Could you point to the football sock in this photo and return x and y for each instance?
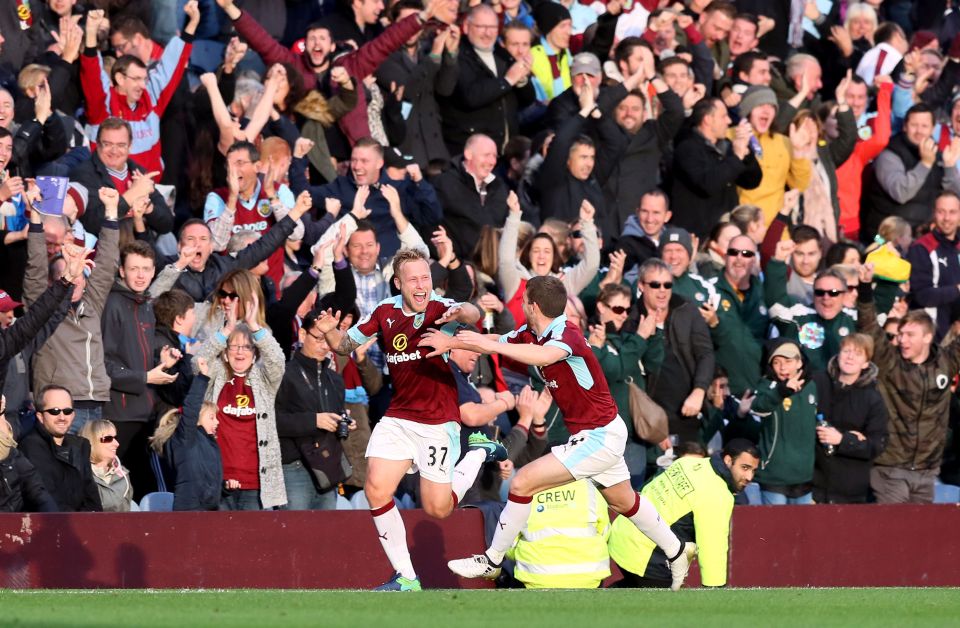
(512, 520)
(465, 473)
(393, 538)
(648, 520)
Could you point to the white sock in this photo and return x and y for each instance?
(393, 538)
(648, 521)
(512, 520)
(465, 473)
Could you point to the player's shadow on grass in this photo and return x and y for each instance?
(429, 552)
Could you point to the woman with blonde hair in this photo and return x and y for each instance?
(112, 478)
(188, 442)
(238, 287)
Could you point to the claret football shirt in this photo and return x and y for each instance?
(424, 388)
(577, 383)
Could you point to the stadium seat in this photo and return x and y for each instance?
(343, 503)
(359, 501)
(157, 502)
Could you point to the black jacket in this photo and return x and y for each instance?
(64, 469)
(37, 144)
(876, 203)
(844, 477)
(422, 79)
(463, 215)
(171, 395)
(482, 102)
(561, 194)
(705, 179)
(194, 456)
(200, 285)
(308, 387)
(92, 174)
(22, 489)
(128, 337)
(40, 321)
(642, 154)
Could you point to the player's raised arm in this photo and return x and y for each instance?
(339, 341)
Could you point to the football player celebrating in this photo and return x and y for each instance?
(597, 433)
(421, 429)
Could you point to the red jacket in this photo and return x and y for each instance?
(849, 174)
(359, 64)
(103, 99)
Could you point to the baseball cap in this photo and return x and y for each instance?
(7, 303)
(787, 350)
(586, 63)
(393, 158)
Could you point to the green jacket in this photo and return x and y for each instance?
(787, 433)
(819, 338)
(693, 288)
(738, 338)
(622, 359)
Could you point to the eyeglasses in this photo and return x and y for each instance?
(239, 348)
(484, 27)
(853, 288)
(746, 253)
(890, 336)
(617, 309)
(576, 234)
(820, 292)
(316, 337)
(117, 145)
(109, 438)
(657, 285)
(136, 79)
(227, 295)
(57, 411)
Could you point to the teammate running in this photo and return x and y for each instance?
(421, 430)
(597, 434)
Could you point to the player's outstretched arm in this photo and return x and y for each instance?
(534, 355)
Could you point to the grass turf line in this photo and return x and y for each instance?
(465, 609)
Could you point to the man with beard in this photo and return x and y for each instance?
(699, 512)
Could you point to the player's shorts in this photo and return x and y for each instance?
(596, 454)
(434, 449)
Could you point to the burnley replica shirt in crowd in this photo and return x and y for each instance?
(424, 388)
(576, 382)
(237, 433)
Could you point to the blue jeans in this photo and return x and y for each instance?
(82, 416)
(635, 455)
(240, 499)
(301, 492)
(769, 498)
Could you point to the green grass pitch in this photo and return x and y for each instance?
(464, 609)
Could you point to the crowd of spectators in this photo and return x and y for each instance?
(753, 206)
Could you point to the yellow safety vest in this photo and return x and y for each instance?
(689, 487)
(564, 543)
(549, 87)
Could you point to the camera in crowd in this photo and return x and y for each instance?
(343, 426)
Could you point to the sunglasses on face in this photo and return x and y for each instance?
(109, 438)
(57, 411)
(890, 336)
(617, 309)
(820, 292)
(657, 285)
(576, 235)
(227, 295)
(745, 253)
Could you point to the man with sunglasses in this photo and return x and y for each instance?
(738, 317)
(62, 459)
(680, 381)
(819, 329)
